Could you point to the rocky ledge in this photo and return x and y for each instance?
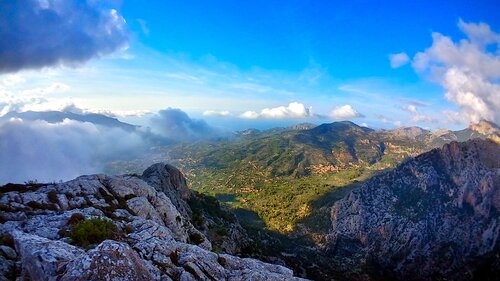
(154, 238)
(435, 217)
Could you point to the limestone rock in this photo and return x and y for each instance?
(41, 258)
(169, 180)
(156, 240)
(110, 260)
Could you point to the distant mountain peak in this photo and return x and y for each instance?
(409, 132)
(302, 126)
(341, 125)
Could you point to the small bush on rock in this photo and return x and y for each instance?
(88, 232)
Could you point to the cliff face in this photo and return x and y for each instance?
(435, 217)
(152, 215)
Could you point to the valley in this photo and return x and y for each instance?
(288, 176)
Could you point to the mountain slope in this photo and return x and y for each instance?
(435, 217)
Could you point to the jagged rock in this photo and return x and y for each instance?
(6, 269)
(156, 240)
(435, 217)
(48, 225)
(169, 180)
(41, 258)
(8, 252)
(110, 260)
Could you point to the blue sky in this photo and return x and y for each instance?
(241, 64)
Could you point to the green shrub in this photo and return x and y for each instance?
(93, 231)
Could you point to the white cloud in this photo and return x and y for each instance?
(410, 108)
(398, 60)
(479, 33)
(12, 80)
(469, 70)
(454, 117)
(223, 113)
(416, 116)
(60, 151)
(385, 119)
(292, 111)
(345, 112)
(249, 115)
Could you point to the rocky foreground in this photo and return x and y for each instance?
(154, 240)
(435, 217)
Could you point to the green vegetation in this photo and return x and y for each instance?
(289, 176)
(85, 233)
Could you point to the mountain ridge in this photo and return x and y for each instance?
(434, 217)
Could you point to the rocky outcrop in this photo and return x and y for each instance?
(169, 180)
(155, 238)
(486, 128)
(435, 217)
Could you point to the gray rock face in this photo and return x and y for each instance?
(42, 258)
(110, 260)
(435, 217)
(157, 240)
(167, 179)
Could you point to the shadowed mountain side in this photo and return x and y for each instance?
(434, 217)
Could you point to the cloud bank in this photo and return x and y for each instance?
(294, 110)
(345, 112)
(48, 148)
(175, 125)
(469, 70)
(36, 34)
(60, 151)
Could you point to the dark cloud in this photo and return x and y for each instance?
(41, 33)
(176, 125)
(45, 151)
